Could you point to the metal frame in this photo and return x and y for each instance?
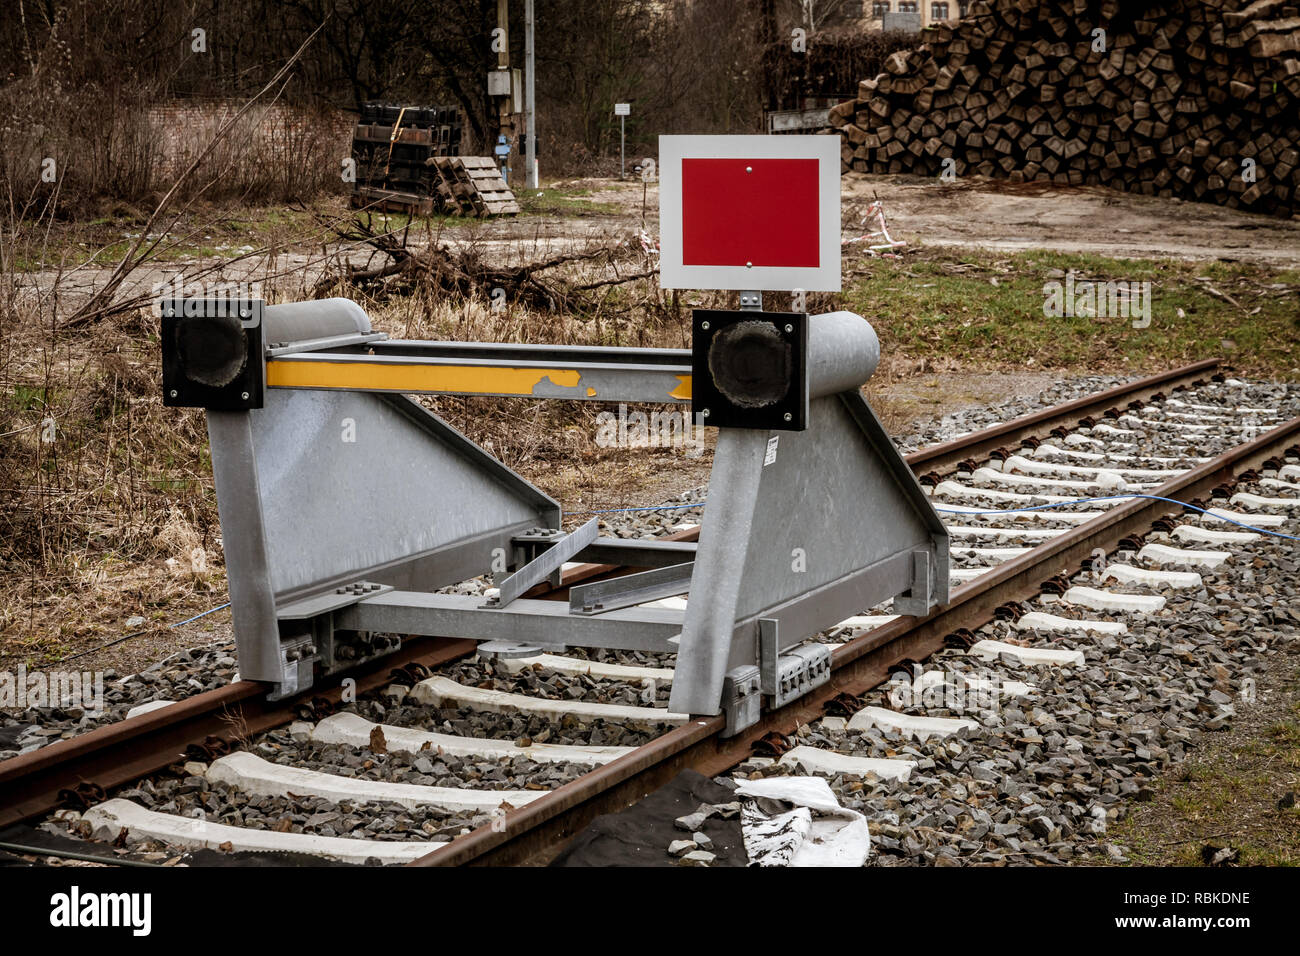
(787, 545)
(299, 507)
(335, 542)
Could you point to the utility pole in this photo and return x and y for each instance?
(503, 64)
(530, 101)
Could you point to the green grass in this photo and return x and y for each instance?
(1227, 795)
(988, 310)
(568, 201)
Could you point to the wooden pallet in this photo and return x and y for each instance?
(392, 200)
(439, 136)
(472, 186)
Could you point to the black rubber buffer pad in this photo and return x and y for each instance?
(749, 369)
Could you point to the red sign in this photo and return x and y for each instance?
(750, 212)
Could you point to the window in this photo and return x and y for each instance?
(907, 6)
(963, 7)
(938, 11)
(879, 8)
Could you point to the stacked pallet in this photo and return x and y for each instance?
(472, 186)
(1192, 98)
(408, 160)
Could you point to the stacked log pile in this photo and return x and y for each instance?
(1192, 98)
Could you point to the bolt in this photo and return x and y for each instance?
(789, 417)
(789, 328)
(749, 169)
(174, 393)
(749, 265)
(244, 396)
(704, 412)
(704, 326)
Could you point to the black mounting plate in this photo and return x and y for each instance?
(212, 354)
(749, 369)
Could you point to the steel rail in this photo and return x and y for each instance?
(1040, 424)
(533, 833)
(31, 784)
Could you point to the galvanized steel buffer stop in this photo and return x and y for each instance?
(345, 505)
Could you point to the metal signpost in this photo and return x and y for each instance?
(622, 111)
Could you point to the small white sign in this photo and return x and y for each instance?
(622, 109)
(770, 457)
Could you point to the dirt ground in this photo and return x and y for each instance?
(997, 215)
(974, 212)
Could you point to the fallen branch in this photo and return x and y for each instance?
(464, 273)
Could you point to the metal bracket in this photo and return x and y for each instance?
(917, 600)
(297, 666)
(769, 650)
(751, 301)
(783, 677)
(742, 700)
(805, 667)
(631, 589)
(340, 597)
(546, 563)
(277, 349)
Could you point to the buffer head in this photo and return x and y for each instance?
(749, 369)
(212, 354)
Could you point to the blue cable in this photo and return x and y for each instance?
(113, 643)
(211, 610)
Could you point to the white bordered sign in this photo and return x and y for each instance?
(749, 212)
(622, 109)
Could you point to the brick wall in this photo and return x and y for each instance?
(278, 133)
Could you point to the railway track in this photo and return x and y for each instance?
(504, 741)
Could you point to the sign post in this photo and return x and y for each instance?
(622, 111)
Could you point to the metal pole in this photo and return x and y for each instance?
(622, 150)
(530, 157)
(503, 63)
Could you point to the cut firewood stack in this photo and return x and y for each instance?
(1198, 99)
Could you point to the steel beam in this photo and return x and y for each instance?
(524, 621)
(529, 371)
(630, 590)
(546, 564)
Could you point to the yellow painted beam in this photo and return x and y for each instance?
(449, 379)
(461, 379)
